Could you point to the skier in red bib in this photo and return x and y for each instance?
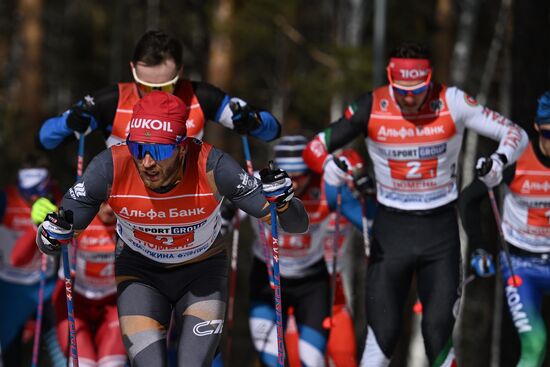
(166, 191)
(156, 65)
(413, 130)
(526, 229)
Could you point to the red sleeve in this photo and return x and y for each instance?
(315, 154)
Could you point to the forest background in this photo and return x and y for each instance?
(303, 60)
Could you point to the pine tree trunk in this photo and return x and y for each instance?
(29, 94)
(219, 71)
(444, 36)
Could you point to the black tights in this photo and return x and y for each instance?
(404, 244)
(147, 294)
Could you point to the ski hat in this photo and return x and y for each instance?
(543, 109)
(159, 117)
(288, 154)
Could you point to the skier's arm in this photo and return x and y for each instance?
(352, 124)
(512, 138)
(246, 193)
(87, 194)
(351, 206)
(100, 113)
(215, 105)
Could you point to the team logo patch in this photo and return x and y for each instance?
(350, 111)
(471, 101)
(384, 104)
(77, 190)
(208, 327)
(247, 183)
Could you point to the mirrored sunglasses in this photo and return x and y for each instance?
(406, 92)
(158, 152)
(146, 87)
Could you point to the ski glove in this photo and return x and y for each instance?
(80, 118)
(489, 170)
(336, 171)
(482, 263)
(245, 118)
(276, 186)
(54, 232)
(41, 208)
(364, 185)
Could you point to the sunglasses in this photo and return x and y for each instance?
(145, 87)
(406, 92)
(158, 152)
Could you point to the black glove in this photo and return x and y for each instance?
(80, 117)
(276, 186)
(489, 169)
(55, 231)
(245, 118)
(482, 263)
(364, 185)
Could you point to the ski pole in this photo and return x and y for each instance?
(232, 286)
(335, 242)
(261, 227)
(482, 170)
(365, 223)
(277, 287)
(40, 309)
(79, 170)
(236, 108)
(69, 296)
(502, 241)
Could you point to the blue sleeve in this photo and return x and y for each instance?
(351, 207)
(53, 131)
(269, 129)
(3, 203)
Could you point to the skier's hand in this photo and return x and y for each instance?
(54, 232)
(80, 118)
(482, 263)
(41, 208)
(489, 170)
(336, 171)
(364, 185)
(276, 186)
(245, 119)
